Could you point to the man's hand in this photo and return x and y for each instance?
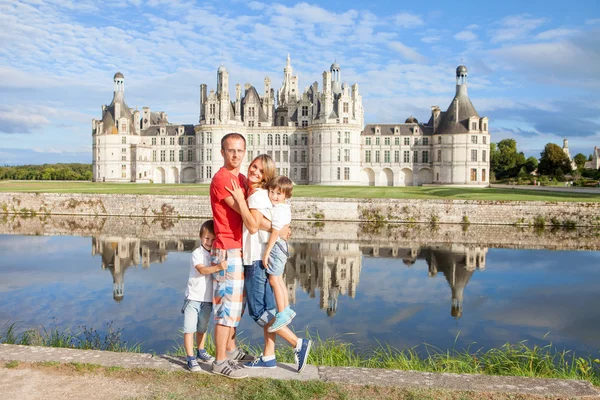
(265, 261)
(236, 192)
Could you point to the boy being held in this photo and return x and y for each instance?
(198, 298)
(276, 253)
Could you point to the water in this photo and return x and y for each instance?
(448, 288)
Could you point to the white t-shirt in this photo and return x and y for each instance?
(255, 245)
(281, 215)
(199, 287)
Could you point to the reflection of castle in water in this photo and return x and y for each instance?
(456, 262)
(118, 254)
(333, 268)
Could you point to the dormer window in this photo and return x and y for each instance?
(377, 130)
(396, 130)
(162, 130)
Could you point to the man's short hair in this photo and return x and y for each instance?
(232, 135)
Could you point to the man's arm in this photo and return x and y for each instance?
(253, 219)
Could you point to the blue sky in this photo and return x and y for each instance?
(533, 68)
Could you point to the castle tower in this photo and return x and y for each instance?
(223, 93)
(336, 83)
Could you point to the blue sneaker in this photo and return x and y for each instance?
(203, 356)
(301, 355)
(260, 363)
(281, 319)
(290, 312)
(193, 366)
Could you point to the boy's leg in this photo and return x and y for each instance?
(188, 344)
(275, 282)
(190, 322)
(286, 297)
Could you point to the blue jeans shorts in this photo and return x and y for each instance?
(196, 315)
(277, 259)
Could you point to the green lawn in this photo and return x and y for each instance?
(411, 192)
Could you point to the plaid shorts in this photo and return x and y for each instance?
(228, 298)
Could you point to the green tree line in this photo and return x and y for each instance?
(48, 172)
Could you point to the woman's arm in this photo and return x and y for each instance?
(253, 218)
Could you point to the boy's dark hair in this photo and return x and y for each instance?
(282, 183)
(232, 135)
(207, 226)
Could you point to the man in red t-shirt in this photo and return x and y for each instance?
(228, 298)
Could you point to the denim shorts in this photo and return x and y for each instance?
(196, 315)
(277, 259)
(259, 295)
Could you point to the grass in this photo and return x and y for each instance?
(510, 360)
(409, 192)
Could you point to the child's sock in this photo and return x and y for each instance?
(190, 358)
(299, 344)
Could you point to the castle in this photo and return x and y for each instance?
(315, 137)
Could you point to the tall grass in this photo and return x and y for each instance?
(86, 338)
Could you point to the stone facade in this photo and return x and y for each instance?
(377, 211)
(316, 136)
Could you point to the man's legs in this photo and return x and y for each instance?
(222, 339)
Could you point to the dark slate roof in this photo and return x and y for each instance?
(253, 97)
(388, 129)
(448, 124)
(154, 130)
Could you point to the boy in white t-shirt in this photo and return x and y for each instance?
(198, 298)
(276, 253)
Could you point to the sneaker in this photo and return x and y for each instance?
(281, 319)
(301, 356)
(240, 355)
(291, 312)
(260, 363)
(230, 369)
(203, 356)
(193, 365)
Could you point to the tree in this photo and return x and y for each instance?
(505, 159)
(531, 164)
(552, 158)
(579, 160)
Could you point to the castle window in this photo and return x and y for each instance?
(474, 139)
(181, 155)
(285, 171)
(278, 140)
(123, 127)
(415, 156)
(190, 141)
(347, 137)
(153, 155)
(123, 150)
(209, 172)
(180, 141)
(339, 173)
(339, 155)
(305, 111)
(171, 155)
(339, 137)
(208, 154)
(163, 155)
(346, 173)
(250, 155)
(295, 158)
(368, 156)
(397, 141)
(473, 174)
(281, 121)
(406, 155)
(397, 156)
(425, 156)
(163, 141)
(387, 141)
(123, 140)
(211, 108)
(484, 139)
(377, 142)
(285, 139)
(251, 111)
(257, 139)
(473, 126)
(347, 155)
(251, 123)
(406, 141)
(269, 140)
(425, 141)
(211, 121)
(483, 155)
(473, 155)
(345, 120)
(485, 127)
(483, 175)
(277, 156)
(368, 140)
(439, 140)
(250, 138)
(304, 124)
(172, 141)
(439, 156)
(208, 137)
(377, 158)
(303, 157)
(304, 174)
(345, 107)
(386, 156)
(123, 158)
(190, 155)
(304, 139)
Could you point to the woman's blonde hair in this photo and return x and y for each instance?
(268, 171)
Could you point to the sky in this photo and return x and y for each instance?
(533, 66)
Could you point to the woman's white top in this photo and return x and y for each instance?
(254, 246)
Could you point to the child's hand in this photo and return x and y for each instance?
(223, 265)
(237, 192)
(265, 261)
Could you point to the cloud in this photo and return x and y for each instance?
(553, 34)
(257, 6)
(20, 156)
(21, 121)
(515, 27)
(407, 20)
(407, 52)
(467, 36)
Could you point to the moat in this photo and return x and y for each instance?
(405, 285)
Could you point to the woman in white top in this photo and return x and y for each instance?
(259, 295)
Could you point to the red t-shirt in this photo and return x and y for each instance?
(228, 223)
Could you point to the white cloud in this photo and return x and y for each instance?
(473, 27)
(257, 6)
(430, 39)
(558, 33)
(516, 27)
(467, 36)
(407, 20)
(407, 52)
